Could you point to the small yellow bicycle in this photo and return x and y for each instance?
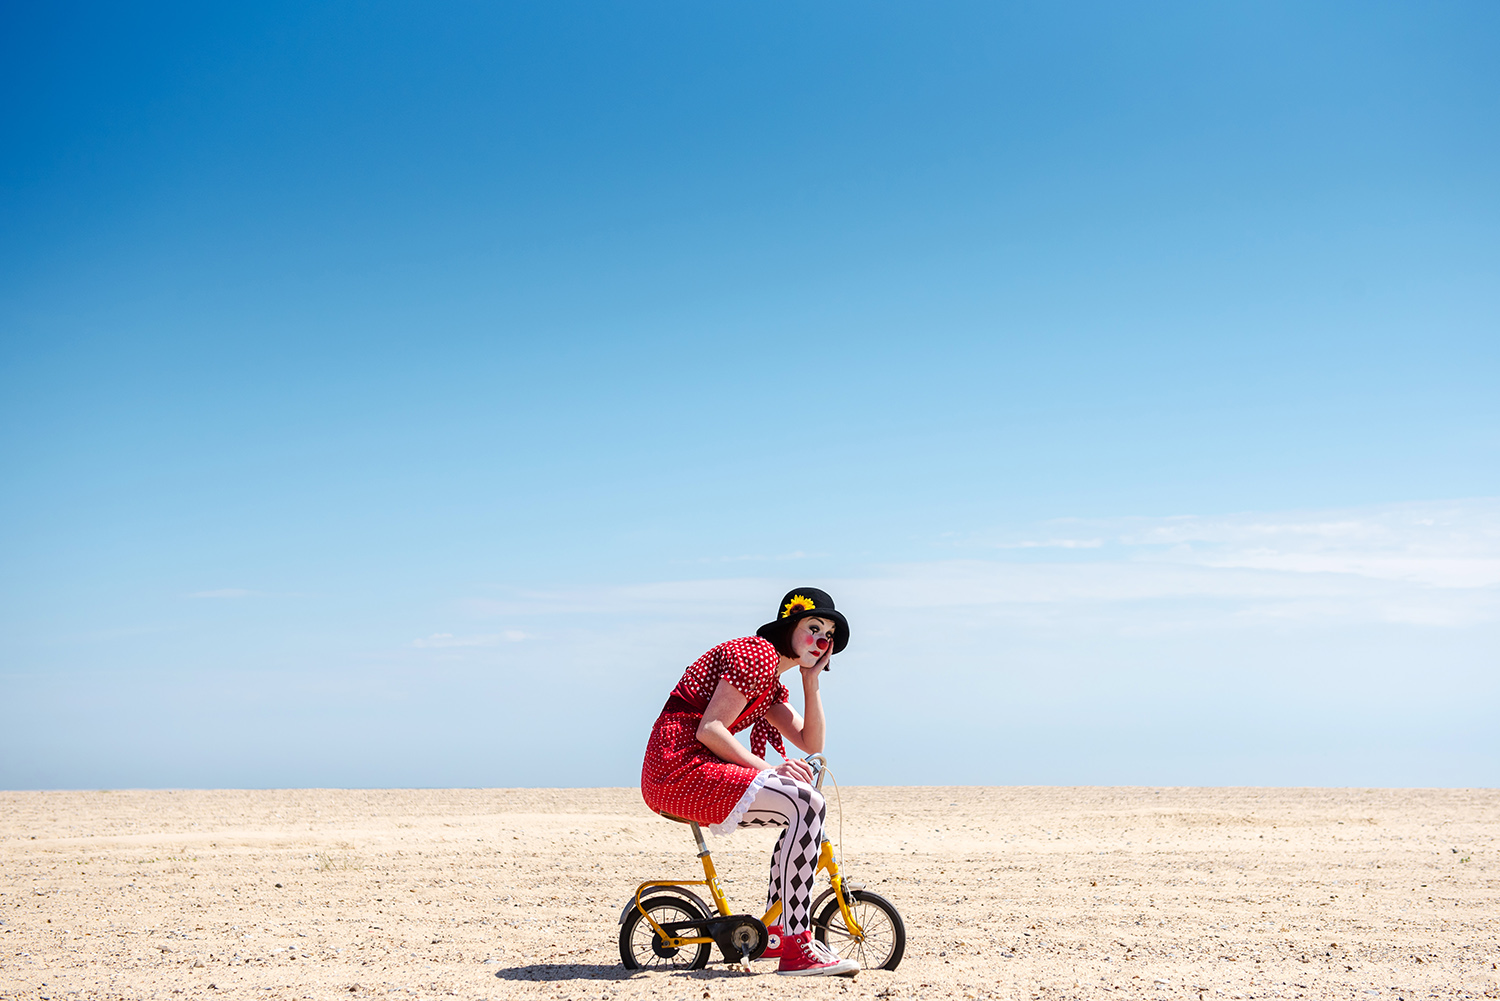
(667, 926)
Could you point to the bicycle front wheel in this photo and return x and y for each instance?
(883, 935)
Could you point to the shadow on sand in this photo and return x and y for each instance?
(544, 972)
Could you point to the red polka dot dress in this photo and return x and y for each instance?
(683, 777)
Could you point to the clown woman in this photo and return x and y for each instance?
(695, 769)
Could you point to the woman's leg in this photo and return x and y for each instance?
(773, 888)
(797, 806)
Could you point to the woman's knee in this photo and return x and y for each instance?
(805, 793)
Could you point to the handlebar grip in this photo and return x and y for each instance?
(819, 765)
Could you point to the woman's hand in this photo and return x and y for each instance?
(810, 674)
(796, 768)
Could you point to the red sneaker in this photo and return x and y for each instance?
(773, 942)
(804, 956)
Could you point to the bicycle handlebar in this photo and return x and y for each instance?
(818, 763)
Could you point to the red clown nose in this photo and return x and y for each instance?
(822, 642)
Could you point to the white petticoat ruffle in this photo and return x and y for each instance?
(731, 823)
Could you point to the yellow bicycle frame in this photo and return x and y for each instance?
(826, 861)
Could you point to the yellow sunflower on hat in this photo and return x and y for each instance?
(797, 604)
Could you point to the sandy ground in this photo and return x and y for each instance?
(1006, 893)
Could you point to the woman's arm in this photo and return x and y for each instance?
(806, 733)
(713, 733)
(713, 730)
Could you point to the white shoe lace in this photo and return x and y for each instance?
(823, 953)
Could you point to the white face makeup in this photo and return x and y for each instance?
(811, 637)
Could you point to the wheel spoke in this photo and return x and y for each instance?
(877, 942)
(643, 940)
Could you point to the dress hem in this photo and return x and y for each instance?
(731, 823)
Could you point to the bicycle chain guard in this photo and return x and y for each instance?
(740, 937)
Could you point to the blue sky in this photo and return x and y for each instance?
(404, 394)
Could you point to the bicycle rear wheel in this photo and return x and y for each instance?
(641, 947)
(883, 941)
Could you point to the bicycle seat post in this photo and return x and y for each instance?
(711, 877)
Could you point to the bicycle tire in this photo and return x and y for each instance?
(640, 945)
(884, 940)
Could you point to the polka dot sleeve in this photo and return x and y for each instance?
(750, 666)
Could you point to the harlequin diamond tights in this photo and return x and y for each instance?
(797, 806)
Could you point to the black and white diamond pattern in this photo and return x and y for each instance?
(798, 807)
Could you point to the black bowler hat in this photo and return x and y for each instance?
(802, 603)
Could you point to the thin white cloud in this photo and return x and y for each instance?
(1052, 544)
(659, 601)
(1439, 544)
(1434, 565)
(1153, 596)
(1448, 545)
(445, 641)
(778, 558)
(1433, 571)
